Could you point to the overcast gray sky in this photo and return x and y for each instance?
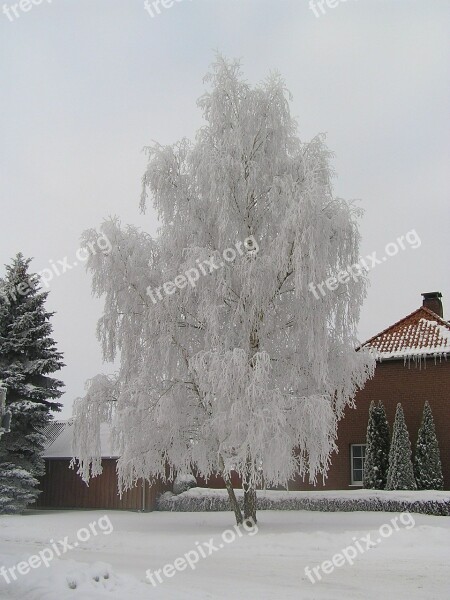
(86, 84)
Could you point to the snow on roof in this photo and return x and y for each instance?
(52, 431)
(60, 440)
(422, 333)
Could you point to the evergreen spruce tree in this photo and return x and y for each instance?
(28, 357)
(17, 488)
(5, 414)
(400, 474)
(377, 448)
(427, 460)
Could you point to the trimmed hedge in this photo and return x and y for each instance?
(197, 502)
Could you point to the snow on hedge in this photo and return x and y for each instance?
(183, 483)
(428, 502)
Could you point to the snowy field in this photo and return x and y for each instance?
(409, 563)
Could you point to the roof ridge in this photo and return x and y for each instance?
(435, 315)
(424, 309)
(52, 431)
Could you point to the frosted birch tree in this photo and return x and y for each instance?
(243, 368)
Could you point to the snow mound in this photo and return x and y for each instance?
(68, 580)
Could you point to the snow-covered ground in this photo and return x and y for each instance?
(410, 563)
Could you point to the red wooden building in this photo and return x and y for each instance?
(63, 488)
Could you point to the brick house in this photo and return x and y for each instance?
(412, 366)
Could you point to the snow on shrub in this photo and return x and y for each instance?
(427, 460)
(183, 483)
(400, 474)
(202, 500)
(377, 448)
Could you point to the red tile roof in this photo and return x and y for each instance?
(421, 333)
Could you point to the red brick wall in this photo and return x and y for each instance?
(394, 382)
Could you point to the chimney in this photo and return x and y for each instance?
(432, 301)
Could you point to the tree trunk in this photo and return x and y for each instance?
(249, 505)
(231, 495)
(249, 494)
(248, 482)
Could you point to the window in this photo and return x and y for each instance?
(357, 458)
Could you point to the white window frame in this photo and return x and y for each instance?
(363, 456)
